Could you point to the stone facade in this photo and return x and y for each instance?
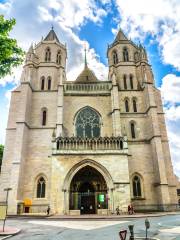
(131, 152)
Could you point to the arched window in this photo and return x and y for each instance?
(127, 105)
(133, 134)
(125, 55)
(48, 55)
(125, 82)
(136, 184)
(58, 57)
(134, 105)
(115, 57)
(41, 188)
(88, 123)
(49, 83)
(131, 81)
(42, 83)
(44, 117)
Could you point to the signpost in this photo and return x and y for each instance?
(123, 234)
(4, 209)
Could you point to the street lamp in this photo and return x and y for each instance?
(7, 194)
(147, 225)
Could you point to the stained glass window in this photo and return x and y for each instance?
(88, 123)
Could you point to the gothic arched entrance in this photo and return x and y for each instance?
(88, 191)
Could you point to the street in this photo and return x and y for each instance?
(165, 228)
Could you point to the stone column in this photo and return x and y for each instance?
(161, 183)
(115, 108)
(60, 105)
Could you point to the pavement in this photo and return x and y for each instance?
(164, 227)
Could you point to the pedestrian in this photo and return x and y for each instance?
(129, 209)
(48, 210)
(132, 209)
(117, 210)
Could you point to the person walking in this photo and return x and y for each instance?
(48, 210)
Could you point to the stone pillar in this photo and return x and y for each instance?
(20, 142)
(60, 105)
(115, 108)
(161, 183)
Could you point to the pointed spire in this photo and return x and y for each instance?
(85, 58)
(120, 36)
(51, 35)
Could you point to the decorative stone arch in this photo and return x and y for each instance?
(72, 172)
(141, 182)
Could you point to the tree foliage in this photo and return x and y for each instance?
(10, 54)
(1, 154)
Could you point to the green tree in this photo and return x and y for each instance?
(1, 154)
(10, 54)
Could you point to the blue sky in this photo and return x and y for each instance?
(95, 24)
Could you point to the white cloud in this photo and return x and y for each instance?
(170, 90)
(67, 17)
(161, 18)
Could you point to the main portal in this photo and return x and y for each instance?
(88, 191)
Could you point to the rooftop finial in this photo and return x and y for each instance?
(52, 27)
(85, 58)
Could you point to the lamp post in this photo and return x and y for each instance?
(147, 225)
(7, 194)
(131, 229)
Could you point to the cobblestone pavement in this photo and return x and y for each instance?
(164, 228)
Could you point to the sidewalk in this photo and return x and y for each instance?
(93, 216)
(9, 231)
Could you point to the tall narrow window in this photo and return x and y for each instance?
(125, 82)
(134, 105)
(115, 57)
(131, 81)
(133, 135)
(136, 182)
(42, 83)
(41, 188)
(48, 55)
(58, 57)
(126, 105)
(125, 55)
(49, 83)
(88, 123)
(44, 117)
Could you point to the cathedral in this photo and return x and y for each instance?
(86, 146)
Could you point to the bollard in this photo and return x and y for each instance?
(147, 225)
(131, 229)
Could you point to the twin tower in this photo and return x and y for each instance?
(87, 146)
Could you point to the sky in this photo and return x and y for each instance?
(94, 24)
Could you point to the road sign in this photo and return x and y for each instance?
(123, 234)
(101, 197)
